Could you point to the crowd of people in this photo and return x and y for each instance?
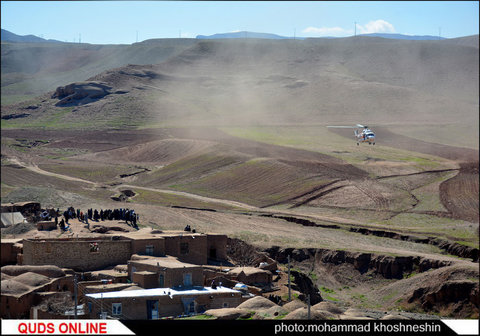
(129, 216)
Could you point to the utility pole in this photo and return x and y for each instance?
(75, 287)
(79, 38)
(289, 282)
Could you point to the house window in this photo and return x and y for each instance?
(187, 279)
(93, 247)
(116, 309)
(183, 248)
(149, 250)
(225, 305)
(90, 307)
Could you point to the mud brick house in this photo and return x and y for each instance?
(25, 286)
(165, 272)
(10, 248)
(196, 248)
(161, 302)
(80, 254)
(250, 275)
(168, 267)
(26, 208)
(88, 254)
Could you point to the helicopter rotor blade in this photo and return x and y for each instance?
(361, 126)
(341, 126)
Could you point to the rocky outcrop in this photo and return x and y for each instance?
(80, 93)
(390, 267)
(455, 248)
(458, 297)
(15, 116)
(304, 285)
(449, 246)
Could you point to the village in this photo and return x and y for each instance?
(120, 271)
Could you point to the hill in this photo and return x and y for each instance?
(7, 36)
(405, 37)
(263, 82)
(31, 69)
(245, 34)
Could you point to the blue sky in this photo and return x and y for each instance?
(118, 22)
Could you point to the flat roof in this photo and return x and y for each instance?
(167, 261)
(11, 240)
(163, 292)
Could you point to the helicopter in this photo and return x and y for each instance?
(361, 135)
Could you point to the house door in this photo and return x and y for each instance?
(188, 305)
(187, 279)
(161, 281)
(213, 253)
(152, 309)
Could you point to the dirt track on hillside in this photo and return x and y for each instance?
(281, 170)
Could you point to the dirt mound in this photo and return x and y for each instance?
(270, 313)
(46, 270)
(257, 303)
(329, 307)
(302, 314)
(293, 305)
(32, 279)
(105, 229)
(5, 276)
(18, 229)
(228, 313)
(11, 286)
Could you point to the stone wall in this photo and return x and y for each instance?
(139, 246)
(76, 253)
(187, 248)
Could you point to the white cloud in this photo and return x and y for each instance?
(378, 26)
(327, 31)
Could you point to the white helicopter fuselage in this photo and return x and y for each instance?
(366, 135)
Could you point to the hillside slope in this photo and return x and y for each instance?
(255, 82)
(31, 69)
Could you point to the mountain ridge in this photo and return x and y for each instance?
(7, 36)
